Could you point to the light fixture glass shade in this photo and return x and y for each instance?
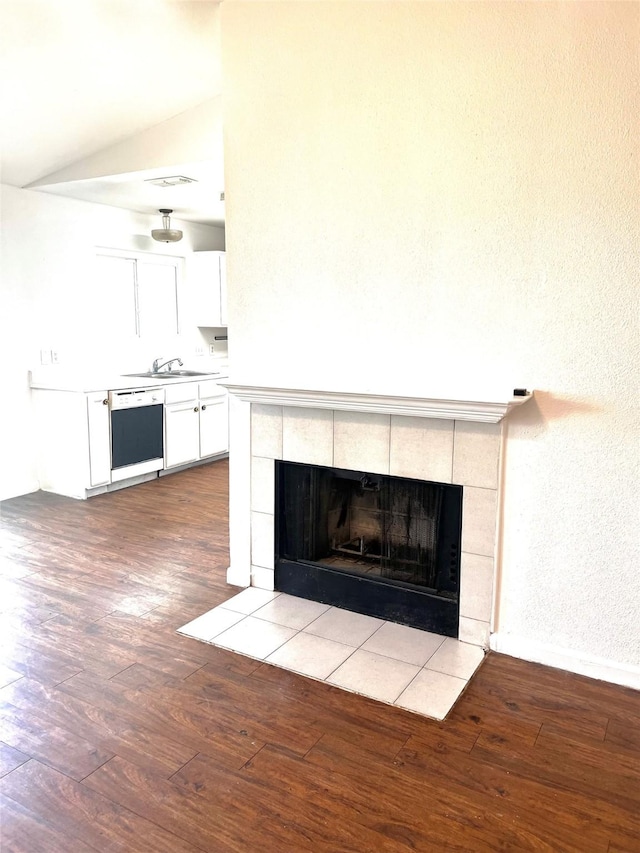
(166, 234)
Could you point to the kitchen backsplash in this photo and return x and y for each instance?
(203, 349)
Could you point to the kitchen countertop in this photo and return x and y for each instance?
(54, 379)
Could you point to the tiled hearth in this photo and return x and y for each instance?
(401, 666)
(438, 440)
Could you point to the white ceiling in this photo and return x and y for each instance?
(78, 78)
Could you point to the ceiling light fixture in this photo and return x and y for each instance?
(166, 234)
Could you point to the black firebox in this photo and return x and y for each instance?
(374, 544)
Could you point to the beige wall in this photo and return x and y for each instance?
(442, 198)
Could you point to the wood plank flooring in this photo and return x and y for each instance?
(118, 734)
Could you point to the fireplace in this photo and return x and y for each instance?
(436, 440)
(374, 544)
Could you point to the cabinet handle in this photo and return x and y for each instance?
(105, 402)
(195, 409)
(203, 408)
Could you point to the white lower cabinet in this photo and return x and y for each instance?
(196, 422)
(207, 280)
(181, 434)
(99, 438)
(73, 436)
(214, 426)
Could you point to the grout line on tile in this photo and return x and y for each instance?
(399, 660)
(333, 437)
(315, 620)
(273, 651)
(453, 450)
(406, 687)
(356, 649)
(375, 632)
(433, 653)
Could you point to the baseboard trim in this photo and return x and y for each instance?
(18, 489)
(601, 669)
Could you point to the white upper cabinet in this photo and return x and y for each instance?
(207, 281)
(223, 289)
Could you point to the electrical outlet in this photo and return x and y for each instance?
(212, 349)
(45, 356)
(54, 356)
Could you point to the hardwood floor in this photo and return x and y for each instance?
(118, 734)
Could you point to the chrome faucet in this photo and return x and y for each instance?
(156, 367)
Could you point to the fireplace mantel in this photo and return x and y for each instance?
(483, 411)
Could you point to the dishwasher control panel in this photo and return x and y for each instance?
(133, 398)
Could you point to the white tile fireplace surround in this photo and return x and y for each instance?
(446, 441)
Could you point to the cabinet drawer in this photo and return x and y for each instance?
(210, 388)
(181, 393)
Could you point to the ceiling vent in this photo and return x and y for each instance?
(166, 234)
(172, 181)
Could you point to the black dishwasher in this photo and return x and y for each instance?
(137, 445)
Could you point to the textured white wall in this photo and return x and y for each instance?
(48, 246)
(443, 197)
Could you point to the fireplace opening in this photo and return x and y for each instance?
(375, 544)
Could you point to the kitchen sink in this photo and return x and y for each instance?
(174, 374)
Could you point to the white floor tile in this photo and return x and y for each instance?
(431, 693)
(403, 643)
(250, 599)
(413, 669)
(343, 626)
(291, 611)
(210, 624)
(314, 656)
(473, 631)
(374, 675)
(254, 637)
(456, 658)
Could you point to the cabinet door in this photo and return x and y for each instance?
(99, 438)
(223, 289)
(214, 425)
(204, 281)
(181, 434)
